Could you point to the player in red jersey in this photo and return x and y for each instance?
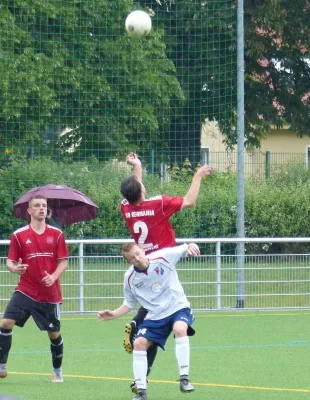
(149, 223)
(148, 219)
(39, 255)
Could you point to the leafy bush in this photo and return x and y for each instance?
(278, 207)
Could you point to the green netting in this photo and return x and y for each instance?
(76, 92)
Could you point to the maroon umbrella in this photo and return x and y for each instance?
(69, 205)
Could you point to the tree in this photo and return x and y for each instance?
(277, 83)
(201, 40)
(70, 73)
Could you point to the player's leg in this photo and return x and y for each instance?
(57, 355)
(132, 328)
(140, 366)
(151, 333)
(182, 347)
(15, 313)
(5, 344)
(47, 318)
(150, 355)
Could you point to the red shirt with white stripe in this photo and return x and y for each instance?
(40, 252)
(149, 222)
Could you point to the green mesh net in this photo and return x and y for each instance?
(77, 91)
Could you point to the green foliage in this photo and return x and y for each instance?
(65, 72)
(100, 181)
(73, 82)
(201, 41)
(278, 207)
(277, 73)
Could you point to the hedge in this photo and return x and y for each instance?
(278, 207)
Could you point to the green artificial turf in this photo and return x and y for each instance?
(234, 356)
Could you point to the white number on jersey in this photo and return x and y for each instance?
(141, 331)
(141, 227)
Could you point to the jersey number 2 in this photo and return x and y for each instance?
(141, 227)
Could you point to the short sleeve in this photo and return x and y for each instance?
(174, 254)
(14, 249)
(62, 249)
(172, 205)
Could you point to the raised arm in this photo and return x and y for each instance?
(192, 194)
(174, 254)
(133, 159)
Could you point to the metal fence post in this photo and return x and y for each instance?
(240, 145)
(218, 276)
(267, 173)
(81, 277)
(152, 169)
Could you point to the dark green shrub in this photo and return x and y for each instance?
(278, 207)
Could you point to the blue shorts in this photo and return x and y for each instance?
(159, 331)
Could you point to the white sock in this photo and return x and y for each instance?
(182, 354)
(140, 368)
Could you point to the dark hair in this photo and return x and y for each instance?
(131, 189)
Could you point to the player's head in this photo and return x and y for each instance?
(132, 189)
(37, 207)
(135, 255)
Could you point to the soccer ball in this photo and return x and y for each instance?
(138, 23)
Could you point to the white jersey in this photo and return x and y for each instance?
(158, 288)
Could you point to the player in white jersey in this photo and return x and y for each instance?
(153, 281)
(149, 223)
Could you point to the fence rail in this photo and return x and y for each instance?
(94, 278)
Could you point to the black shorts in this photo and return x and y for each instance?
(45, 315)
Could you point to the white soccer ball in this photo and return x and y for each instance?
(138, 23)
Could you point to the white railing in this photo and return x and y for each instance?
(94, 278)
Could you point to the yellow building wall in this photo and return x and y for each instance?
(278, 141)
(284, 141)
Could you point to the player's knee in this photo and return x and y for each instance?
(7, 323)
(53, 335)
(140, 344)
(180, 330)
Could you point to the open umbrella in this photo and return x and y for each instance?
(69, 205)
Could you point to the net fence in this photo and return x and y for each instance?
(77, 93)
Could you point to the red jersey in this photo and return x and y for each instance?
(149, 222)
(41, 253)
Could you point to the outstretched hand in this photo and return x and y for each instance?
(133, 159)
(193, 250)
(105, 315)
(203, 171)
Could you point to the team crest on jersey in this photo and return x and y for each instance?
(156, 287)
(159, 271)
(50, 240)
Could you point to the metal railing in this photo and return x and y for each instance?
(94, 278)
